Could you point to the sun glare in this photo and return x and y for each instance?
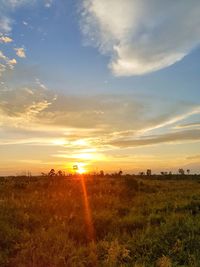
(79, 168)
(81, 171)
(59, 142)
(84, 156)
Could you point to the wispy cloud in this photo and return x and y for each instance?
(7, 63)
(5, 24)
(195, 157)
(83, 128)
(48, 3)
(188, 125)
(174, 119)
(174, 137)
(142, 36)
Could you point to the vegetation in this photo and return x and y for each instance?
(118, 220)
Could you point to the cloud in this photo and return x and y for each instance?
(15, 3)
(33, 118)
(8, 63)
(21, 107)
(174, 137)
(188, 125)
(195, 157)
(7, 7)
(40, 84)
(48, 3)
(5, 39)
(142, 36)
(20, 52)
(2, 69)
(35, 115)
(93, 111)
(5, 24)
(174, 119)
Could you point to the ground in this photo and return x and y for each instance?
(100, 221)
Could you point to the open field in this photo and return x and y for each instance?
(100, 221)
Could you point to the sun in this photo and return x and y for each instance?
(79, 168)
(81, 171)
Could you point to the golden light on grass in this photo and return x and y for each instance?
(80, 168)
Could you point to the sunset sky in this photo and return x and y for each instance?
(106, 84)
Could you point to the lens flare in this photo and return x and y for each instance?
(88, 217)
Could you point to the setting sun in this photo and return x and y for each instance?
(79, 168)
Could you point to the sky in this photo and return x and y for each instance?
(106, 85)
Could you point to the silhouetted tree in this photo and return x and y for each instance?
(188, 171)
(181, 171)
(52, 173)
(148, 173)
(60, 173)
(120, 173)
(102, 173)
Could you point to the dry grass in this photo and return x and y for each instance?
(136, 222)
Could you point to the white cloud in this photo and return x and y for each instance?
(41, 85)
(20, 52)
(8, 6)
(2, 69)
(48, 3)
(5, 24)
(15, 3)
(10, 63)
(142, 35)
(5, 39)
(25, 23)
(23, 105)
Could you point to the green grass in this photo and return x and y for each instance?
(137, 222)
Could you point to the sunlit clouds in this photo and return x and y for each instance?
(20, 52)
(34, 117)
(5, 39)
(142, 36)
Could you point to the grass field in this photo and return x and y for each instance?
(100, 221)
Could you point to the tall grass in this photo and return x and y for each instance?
(137, 222)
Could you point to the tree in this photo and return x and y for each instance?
(52, 173)
(120, 173)
(181, 171)
(148, 172)
(188, 171)
(141, 173)
(164, 173)
(102, 173)
(60, 173)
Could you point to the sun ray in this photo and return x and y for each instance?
(88, 217)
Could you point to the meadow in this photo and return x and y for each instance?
(93, 220)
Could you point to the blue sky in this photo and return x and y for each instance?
(99, 83)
